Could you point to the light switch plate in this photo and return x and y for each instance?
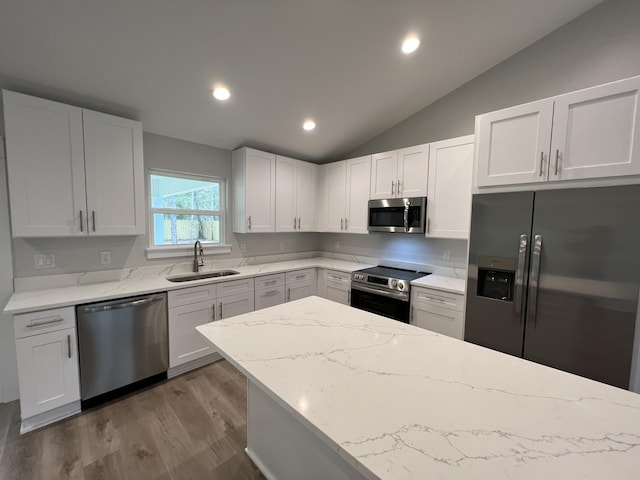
(105, 258)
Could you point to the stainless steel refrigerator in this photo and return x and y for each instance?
(554, 277)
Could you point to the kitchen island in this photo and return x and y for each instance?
(335, 392)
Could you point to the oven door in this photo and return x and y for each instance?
(393, 305)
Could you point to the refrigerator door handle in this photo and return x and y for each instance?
(519, 300)
(533, 281)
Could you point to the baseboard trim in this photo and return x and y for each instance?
(50, 416)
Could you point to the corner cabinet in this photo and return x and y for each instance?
(335, 286)
(400, 173)
(346, 193)
(450, 175)
(71, 171)
(254, 191)
(591, 133)
(295, 195)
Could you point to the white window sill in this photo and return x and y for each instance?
(185, 250)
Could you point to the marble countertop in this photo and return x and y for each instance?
(400, 402)
(439, 282)
(63, 296)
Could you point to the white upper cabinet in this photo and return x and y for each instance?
(596, 132)
(347, 193)
(400, 173)
(295, 195)
(114, 174)
(513, 144)
(450, 174)
(588, 134)
(254, 191)
(61, 179)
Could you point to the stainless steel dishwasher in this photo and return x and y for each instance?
(122, 343)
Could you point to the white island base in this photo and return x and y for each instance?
(284, 449)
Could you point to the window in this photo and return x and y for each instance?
(186, 208)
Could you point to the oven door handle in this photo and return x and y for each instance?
(403, 296)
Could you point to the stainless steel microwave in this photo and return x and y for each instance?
(405, 215)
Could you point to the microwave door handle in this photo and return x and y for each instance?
(407, 204)
(519, 300)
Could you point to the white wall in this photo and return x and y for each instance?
(8, 370)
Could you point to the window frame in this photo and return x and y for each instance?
(185, 250)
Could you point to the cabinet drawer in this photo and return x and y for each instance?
(34, 323)
(185, 296)
(427, 296)
(234, 287)
(269, 281)
(301, 276)
(335, 277)
(268, 297)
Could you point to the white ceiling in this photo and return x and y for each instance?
(337, 61)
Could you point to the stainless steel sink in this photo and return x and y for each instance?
(200, 276)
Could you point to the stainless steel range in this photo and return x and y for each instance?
(384, 290)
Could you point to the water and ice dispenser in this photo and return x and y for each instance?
(496, 277)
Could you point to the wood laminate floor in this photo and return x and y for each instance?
(189, 427)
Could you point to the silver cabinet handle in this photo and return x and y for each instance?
(346, 224)
(269, 293)
(271, 282)
(399, 187)
(298, 223)
(428, 225)
(557, 160)
(213, 312)
(69, 345)
(288, 294)
(349, 297)
(249, 222)
(393, 188)
(220, 310)
(519, 300)
(93, 217)
(341, 223)
(541, 162)
(46, 322)
(294, 223)
(534, 278)
(81, 222)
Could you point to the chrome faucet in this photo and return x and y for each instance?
(197, 262)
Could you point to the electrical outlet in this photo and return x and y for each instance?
(44, 261)
(281, 245)
(446, 255)
(337, 245)
(105, 258)
(243, 247)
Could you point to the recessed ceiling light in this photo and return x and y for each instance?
(309, 124)
(410, 44)
(221, 93)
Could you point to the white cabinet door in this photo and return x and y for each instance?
(335, 286)
(269, 297)
(336, 184)
(357, 190)
(513, 144)
(114, 174)
(254, 191)
(286, 216)
(185, 343)
(596, 132)
(384, 175)
(306, 193)
(338, 293)
(235, 305)
(439, 320)
(449, 202)
(299, 290)
(48, 371)
(413, 165)
(45, 166)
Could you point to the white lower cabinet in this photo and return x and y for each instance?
(300, 284)
(438, 311)
(335, 286)
(270, 290)
(48, 374)
(193, 306)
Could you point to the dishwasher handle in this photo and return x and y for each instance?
(139, 302)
